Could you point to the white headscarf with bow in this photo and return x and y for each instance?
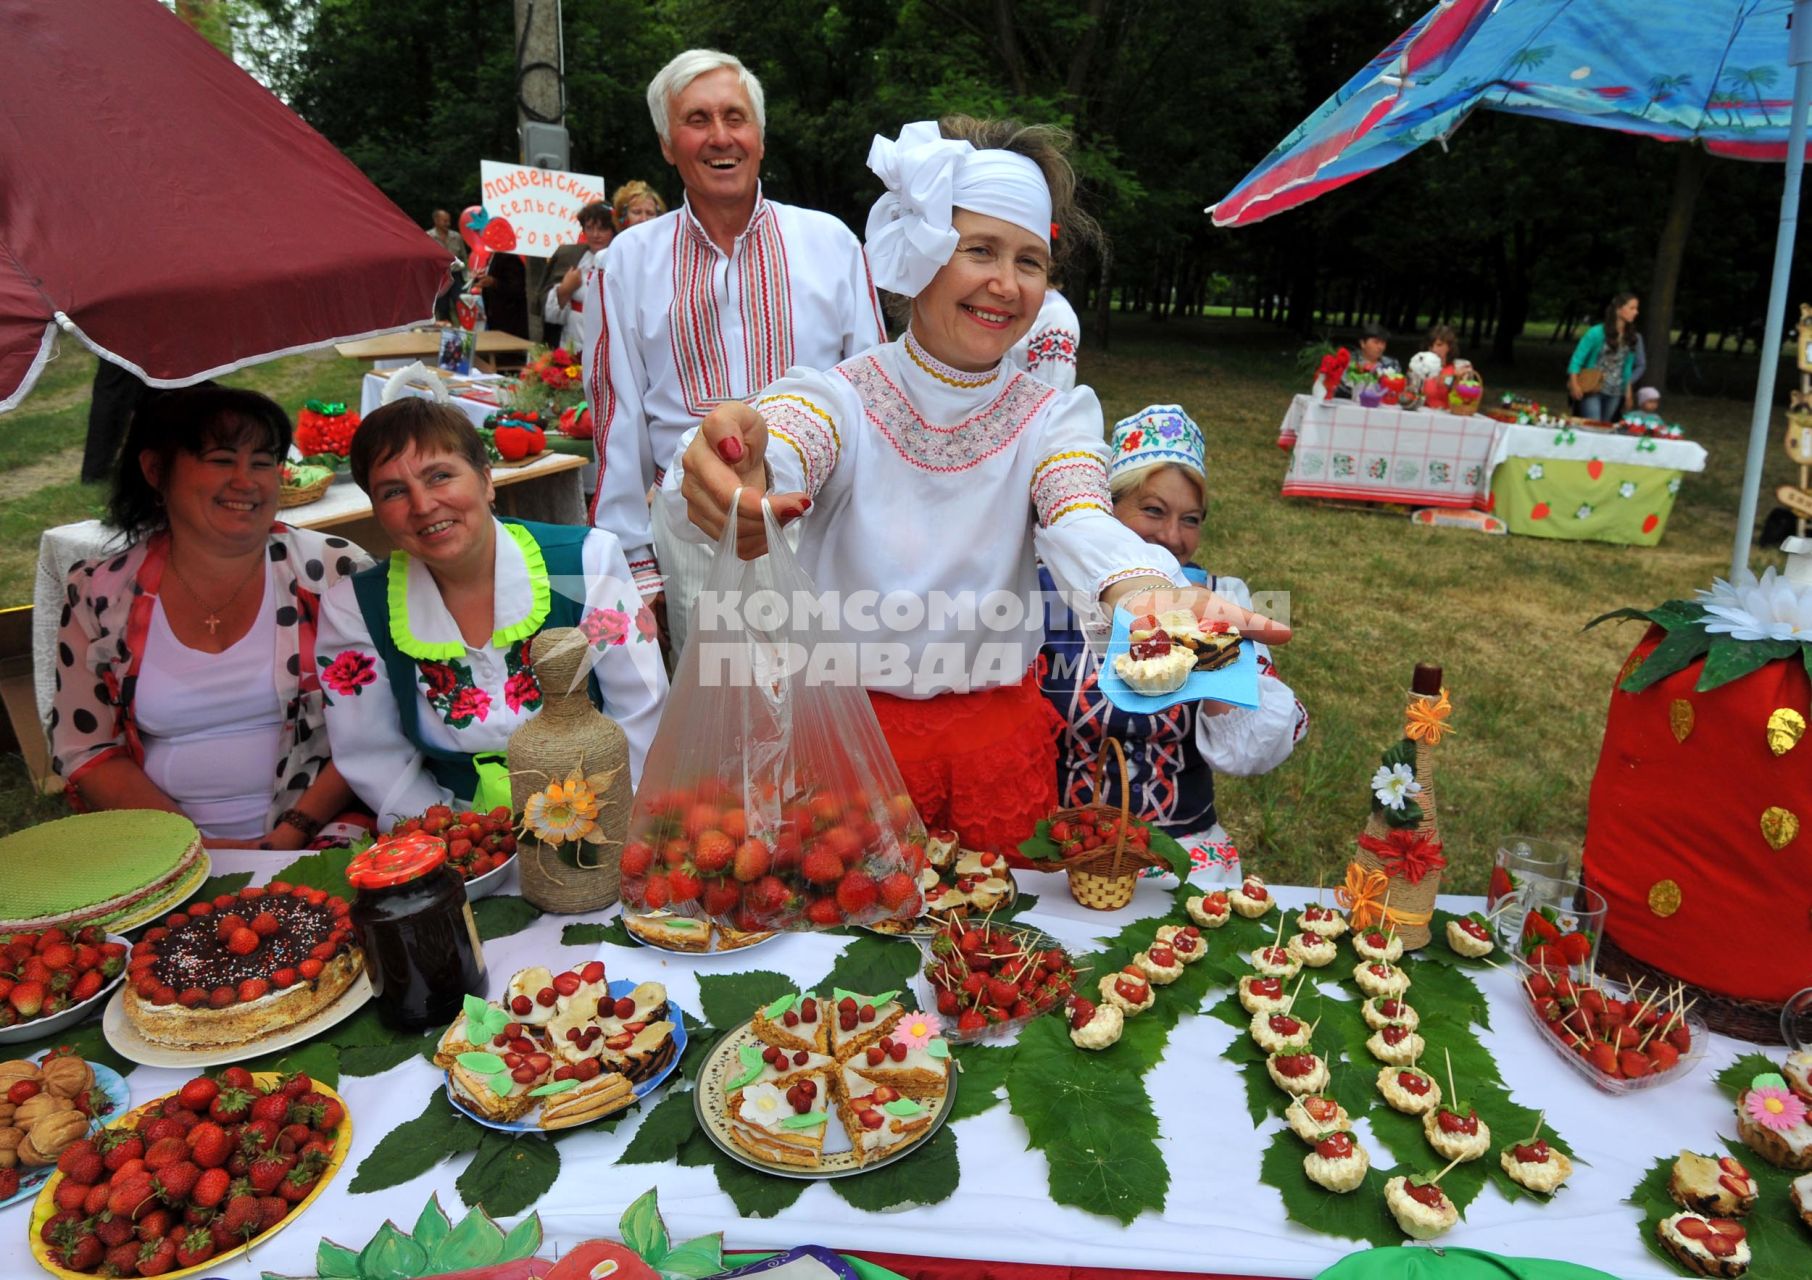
(928, 177)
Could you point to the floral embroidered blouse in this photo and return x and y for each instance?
(1048, 351)
(107, 610)
(473, 697)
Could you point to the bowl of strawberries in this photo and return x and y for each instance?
(989, 980)
(1621, 1039)
(480, 846)
(1561, 923)
(51, 979)
(191, 1179)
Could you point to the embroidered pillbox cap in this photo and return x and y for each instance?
(1156, 434)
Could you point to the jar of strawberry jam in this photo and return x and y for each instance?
(421, 943)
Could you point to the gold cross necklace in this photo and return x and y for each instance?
(212, 621)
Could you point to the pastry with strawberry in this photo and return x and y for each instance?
(1159, 963)
(1420, 1207)
(1185, 942)
(1129, 991)
(879, 1119)
(669, 932)
(1325, 921)
(1801, 1194)
(1378, 945)
(1470, 936)
(1312, 1116)
(766, 1064)
(1251, 899)
(1536, 1165)
(1456, 1132)
(1154, 665)
(1379, 979)
(1798, 1072)
(1312, 949)
(1275, 962)
(1094, 1026)
(1262, 995)
(1337, 1163)
(781, 1125)
(1298, 1071)
(1708, 1246)
(1396, 1044)
(794, 1022)
(1210, 910)
(857, 1021)
(1716, 1186)
(1279, 1032)
(530, 996)
(1409, 1090)
(1384, 1011)
(1773, 1122)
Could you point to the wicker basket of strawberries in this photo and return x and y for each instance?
(1103, 847)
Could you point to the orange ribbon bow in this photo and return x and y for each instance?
(1427, 720)
(1363, 896)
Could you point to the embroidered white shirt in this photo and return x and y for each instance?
(471, 703)
(673, 325)
(1048, 351)
(935, 492)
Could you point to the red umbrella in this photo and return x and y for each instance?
(167, 210)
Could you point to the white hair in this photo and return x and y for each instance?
(671, 80)
(1133, 479)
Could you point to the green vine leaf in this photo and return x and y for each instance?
(1108, 1168)
(984, 1071)
(1021, 904)
(580, 935)
(928, 1176)
(755, 1195)
(325, 869)
(416, 1146)
(510, 1172)
(872, 963)
(226, 882)
(701, 1038)
(1358, 1215)
(1444, 988)
(664, 1130)
(730, 999)
(500, 915)
(1734, 1079)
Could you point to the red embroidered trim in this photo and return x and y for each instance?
(944, 449)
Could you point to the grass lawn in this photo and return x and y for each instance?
(1370, 595)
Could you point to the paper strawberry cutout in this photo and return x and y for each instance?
(1540, 511)
(500, 235)
(1650, 523)
(1594, 468)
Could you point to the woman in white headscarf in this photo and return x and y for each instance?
(937, 476)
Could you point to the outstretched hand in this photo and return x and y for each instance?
(1207, 607)
(729, 453)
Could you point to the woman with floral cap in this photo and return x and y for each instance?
(936, 476)
(425, 656)
(1158, 482)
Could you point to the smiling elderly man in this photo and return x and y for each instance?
(710, 302)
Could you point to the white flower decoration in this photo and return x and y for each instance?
(1673, 486)
(1534, 472)
(1627, 489)
(1394, 784)
(1584, 512)
(1769, 609)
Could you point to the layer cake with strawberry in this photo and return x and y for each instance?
(878, 1118)
(781, 1126)
(794, 1022)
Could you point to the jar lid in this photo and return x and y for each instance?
(396, 860)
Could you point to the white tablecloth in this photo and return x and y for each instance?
(371, 395)
(1218, 1217)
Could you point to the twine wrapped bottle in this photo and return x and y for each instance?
(1416, 899)
(569, 734)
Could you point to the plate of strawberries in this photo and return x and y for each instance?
(989, 980)
(50, 979)
(1622, 1039)
(480, 846)
(251, 1150)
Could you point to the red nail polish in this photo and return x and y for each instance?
(805, 505)
(730, 449)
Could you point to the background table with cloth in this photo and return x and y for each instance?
(478, 399)
(1217, 1215)
(1340, 449)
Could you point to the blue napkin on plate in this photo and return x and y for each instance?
(1236, 683)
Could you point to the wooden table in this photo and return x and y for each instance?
(425, 344)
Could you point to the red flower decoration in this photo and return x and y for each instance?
(605, 627)
(470, 703)
(521, 689)
(1405, 853)
(646, 625)
(349, 672)
(438, 679)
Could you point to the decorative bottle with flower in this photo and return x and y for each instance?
(569, 781)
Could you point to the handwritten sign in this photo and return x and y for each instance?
(541, 204)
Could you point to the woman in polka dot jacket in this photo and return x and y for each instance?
(186, 673)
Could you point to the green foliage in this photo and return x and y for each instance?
(1357, 1215)
(730, 999)
(499, 915)
(325, 870)
(1734, 1079)
(579, 935)
(927, 1176)
(509, 1172)
(416, 1146)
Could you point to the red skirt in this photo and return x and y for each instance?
(981, 764)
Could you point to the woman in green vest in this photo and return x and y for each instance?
(424, 656)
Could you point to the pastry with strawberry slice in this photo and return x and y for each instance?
(1456, 1132)
(1536, 1165)
(1716, 1186)
(878, 1119)
(1312, 1116)
(781, 1125)
(1094, 1026)
(669, 932)
(1383, 1011)
(769, 1064)
(1337, 1163)
(1154, 666)
(1279, 1032)
(857, 1021)
(1801, 1194)
(1160, 964)
(1325, 921)
(1420, 1207)
(1262, 995)
(1312, 949)
(1251, 899)
(1129, 991)
(1798, 1071)
(637, 1050)
(1469, 936)
(1709, 1246)
(794, 1022)
(1409, 1090)
(1788, 1146)
(1298, 1071)
(1380, 980)
(1395, 1043)
(1210, 910)
(1275, 962)
(1376, 944)
(1185, 942)
(530, 996)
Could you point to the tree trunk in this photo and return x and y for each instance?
(1006, 32)
(1104, 299)
(1658, 307)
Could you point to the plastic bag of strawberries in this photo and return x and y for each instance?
(769, 798)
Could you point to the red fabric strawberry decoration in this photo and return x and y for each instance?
(325, 427)
(576, 422)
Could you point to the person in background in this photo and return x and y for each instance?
(568, 268)
(1606, 355)
(708, 305)
(1157, 479)
(505, 289)
(1048, 352)
(186, 678)
(1444, 342)
(1648, 399)
(635, 202)
(425, 655)
(1370, 359)
(113, 397)
(444, 235)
